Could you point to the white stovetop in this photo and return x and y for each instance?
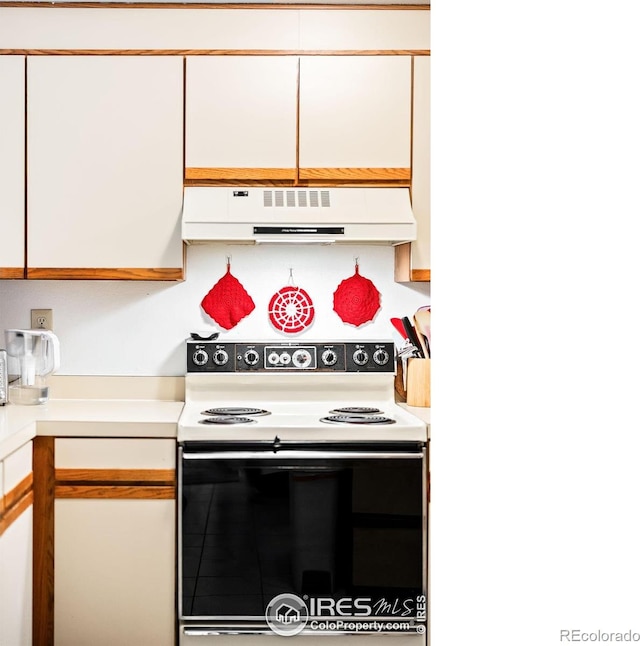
(296, 402)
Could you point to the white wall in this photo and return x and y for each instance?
(139, 328)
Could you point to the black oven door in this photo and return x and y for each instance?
(342, 526)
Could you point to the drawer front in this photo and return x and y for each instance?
(17, 466)
(74, 453)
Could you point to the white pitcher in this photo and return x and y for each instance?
(32, 356)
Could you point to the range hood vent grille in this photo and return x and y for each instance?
(296, 198)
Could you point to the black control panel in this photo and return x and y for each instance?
(214, 357)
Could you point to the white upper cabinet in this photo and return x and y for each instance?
(12, 166)
(364, 29)
(355, 112)
(421, 181)
(241, 114)
(104, 151)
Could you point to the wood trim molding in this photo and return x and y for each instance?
(214, 52)
(14, 502)
(152, 492)
(43, 540)
(403, 271)
(119, 273)
(147, 477)
(12, 497)
(13, 513)
(11, 272)
(240, 174)
(356, 174)
(133, 484)
(205, 5)
(421, 275)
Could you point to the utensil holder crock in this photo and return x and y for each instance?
(419, 382)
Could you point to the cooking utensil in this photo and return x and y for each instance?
(424, 344)
(397, 324)
(411, 333)
(423, 322)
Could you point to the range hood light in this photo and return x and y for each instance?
(285, 241)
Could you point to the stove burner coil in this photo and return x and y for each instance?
(236, 410)
(367, 420)
(227, 419)
(356, 410)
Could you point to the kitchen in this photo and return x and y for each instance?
(112, 328)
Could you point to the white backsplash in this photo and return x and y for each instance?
(139, 328)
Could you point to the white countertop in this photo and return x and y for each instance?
(87, 418)
(110, 417)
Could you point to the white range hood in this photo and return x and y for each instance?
(259, 215)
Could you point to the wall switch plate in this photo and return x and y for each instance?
(42, 319)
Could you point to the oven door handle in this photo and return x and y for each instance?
(300, 455)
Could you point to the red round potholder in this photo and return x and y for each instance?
(228, 302)
(291, 310)
(356, 301)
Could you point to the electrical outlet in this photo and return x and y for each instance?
(42, 319)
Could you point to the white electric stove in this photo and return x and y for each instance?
(302, 497)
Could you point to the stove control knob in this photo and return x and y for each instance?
(200, 357)
(251, 357)
(360, 357)
(220, 357)
(381, 356)
(302, 358)
(329, 358)
(274, 359)
(285, 359)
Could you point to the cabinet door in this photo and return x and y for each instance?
(421, 169)
(413, 261)
(104, 151)
(115, 526)
(12, 166)
(114, 572)
(241, 117)
(355, 117)
(16, 547)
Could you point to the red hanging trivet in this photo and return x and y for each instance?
(291, 310)
(356, 301)
(228, 302)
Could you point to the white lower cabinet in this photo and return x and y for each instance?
(16, 548)
(114, 541)
(114, 572)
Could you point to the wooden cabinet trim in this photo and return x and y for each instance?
(21, 489)
(205, 5)
(132, 484)
(421, 275)
(240, 174)
(12, 272)
(116, 273)
(43, 540)
(137, 492)
(13, 503)
(146, 477)
(356, 174)
(12, 514)
(214, 52)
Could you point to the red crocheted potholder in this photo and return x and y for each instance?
(228, 302)
(291, 310)
(356, 300)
